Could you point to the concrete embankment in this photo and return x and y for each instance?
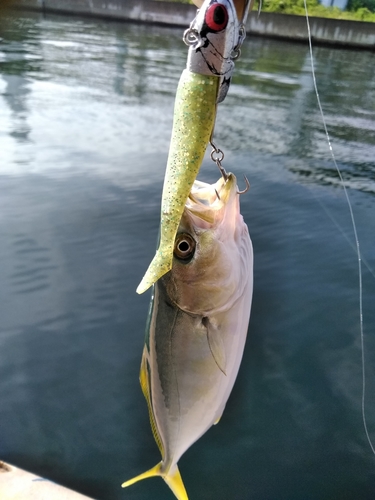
(17, 484)
(324, 31)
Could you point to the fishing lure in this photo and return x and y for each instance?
(197, 325)
(214, 38)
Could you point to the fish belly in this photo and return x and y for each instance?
(189, 390)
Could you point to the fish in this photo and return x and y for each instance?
(197, 325)
(214, 38)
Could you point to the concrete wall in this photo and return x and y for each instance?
(17, 484)
(130, 10)
(323, 31)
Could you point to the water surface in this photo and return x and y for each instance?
(85, 120)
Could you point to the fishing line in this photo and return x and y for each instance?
(344, 235)
(354, 231)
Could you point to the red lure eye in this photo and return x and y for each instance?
(216, 17)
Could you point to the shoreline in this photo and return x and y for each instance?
(324, 31)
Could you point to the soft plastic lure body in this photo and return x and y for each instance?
(194, 118)
(214, 38)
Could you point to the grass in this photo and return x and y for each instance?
(315, 9)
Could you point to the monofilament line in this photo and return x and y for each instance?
(354, 231)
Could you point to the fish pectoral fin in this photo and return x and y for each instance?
(216, 345)
(160, 265)
(173, 480)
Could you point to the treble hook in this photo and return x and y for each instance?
(247, 186)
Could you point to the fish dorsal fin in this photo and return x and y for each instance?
(216, 344)
(146, 389)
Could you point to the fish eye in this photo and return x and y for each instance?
(184, 247)
(216, 17)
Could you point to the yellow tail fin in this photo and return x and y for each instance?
(173, 480)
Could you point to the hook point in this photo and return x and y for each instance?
(247, 186)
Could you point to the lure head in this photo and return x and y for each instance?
(214, 37)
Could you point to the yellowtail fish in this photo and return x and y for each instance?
(214, 37)
(197, 326)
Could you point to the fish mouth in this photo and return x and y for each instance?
(207, 202)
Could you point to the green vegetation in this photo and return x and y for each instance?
(358, 10)
(359, 4)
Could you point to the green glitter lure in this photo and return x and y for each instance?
(214, 38)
